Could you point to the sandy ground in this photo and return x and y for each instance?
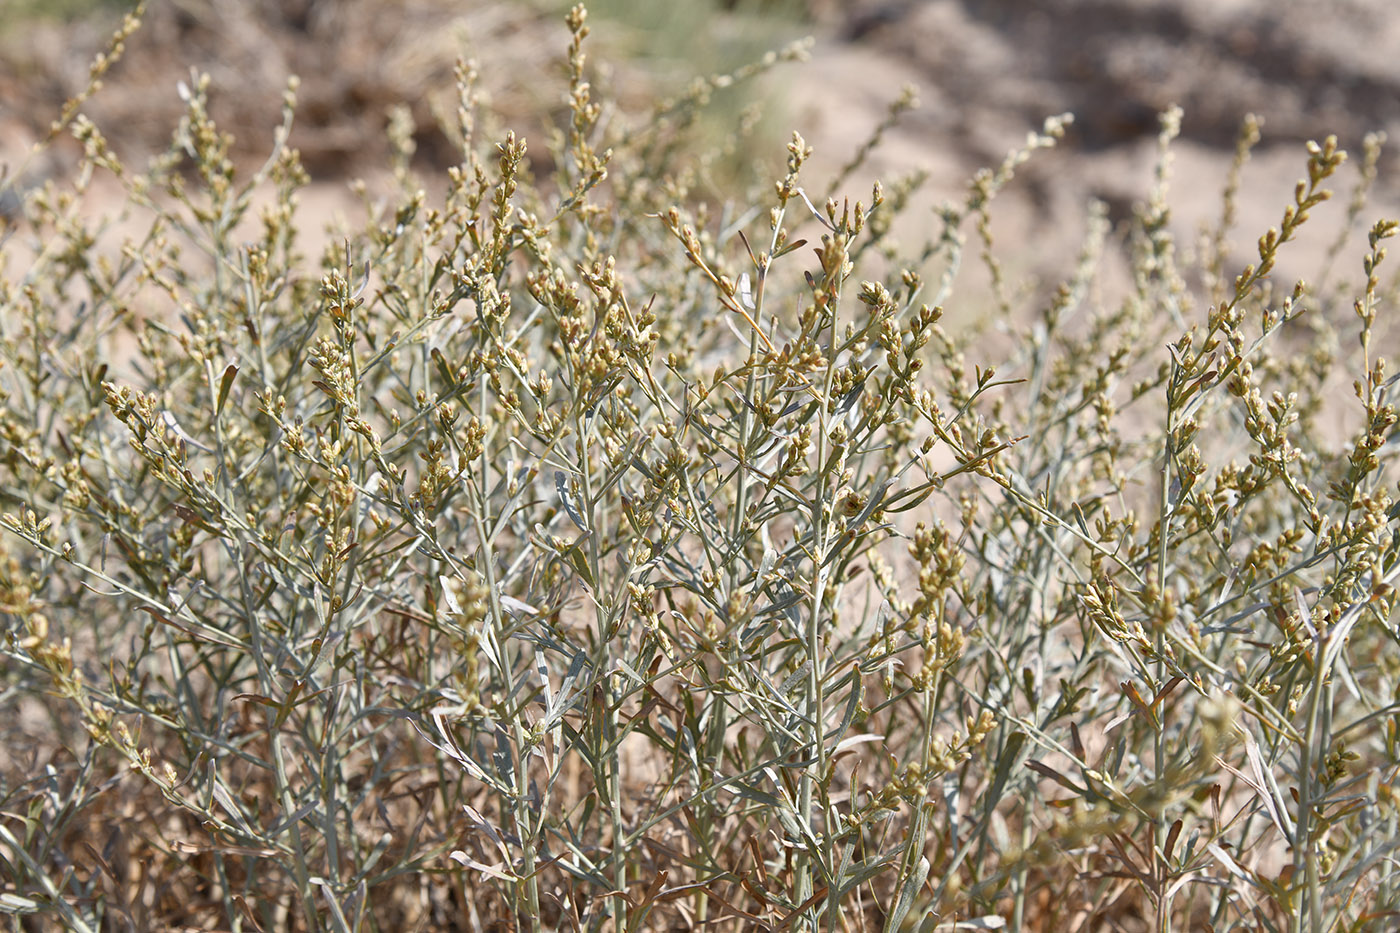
(987, 72)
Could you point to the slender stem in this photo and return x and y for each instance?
(520, 808)
(813, 778)
(1303, 845)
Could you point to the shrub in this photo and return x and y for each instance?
(581, 553)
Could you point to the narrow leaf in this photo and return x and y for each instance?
(907, 893)
(224, 385)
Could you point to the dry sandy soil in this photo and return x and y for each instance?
(987, 72)
(990, 69)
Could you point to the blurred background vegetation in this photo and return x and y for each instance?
(357, 59)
